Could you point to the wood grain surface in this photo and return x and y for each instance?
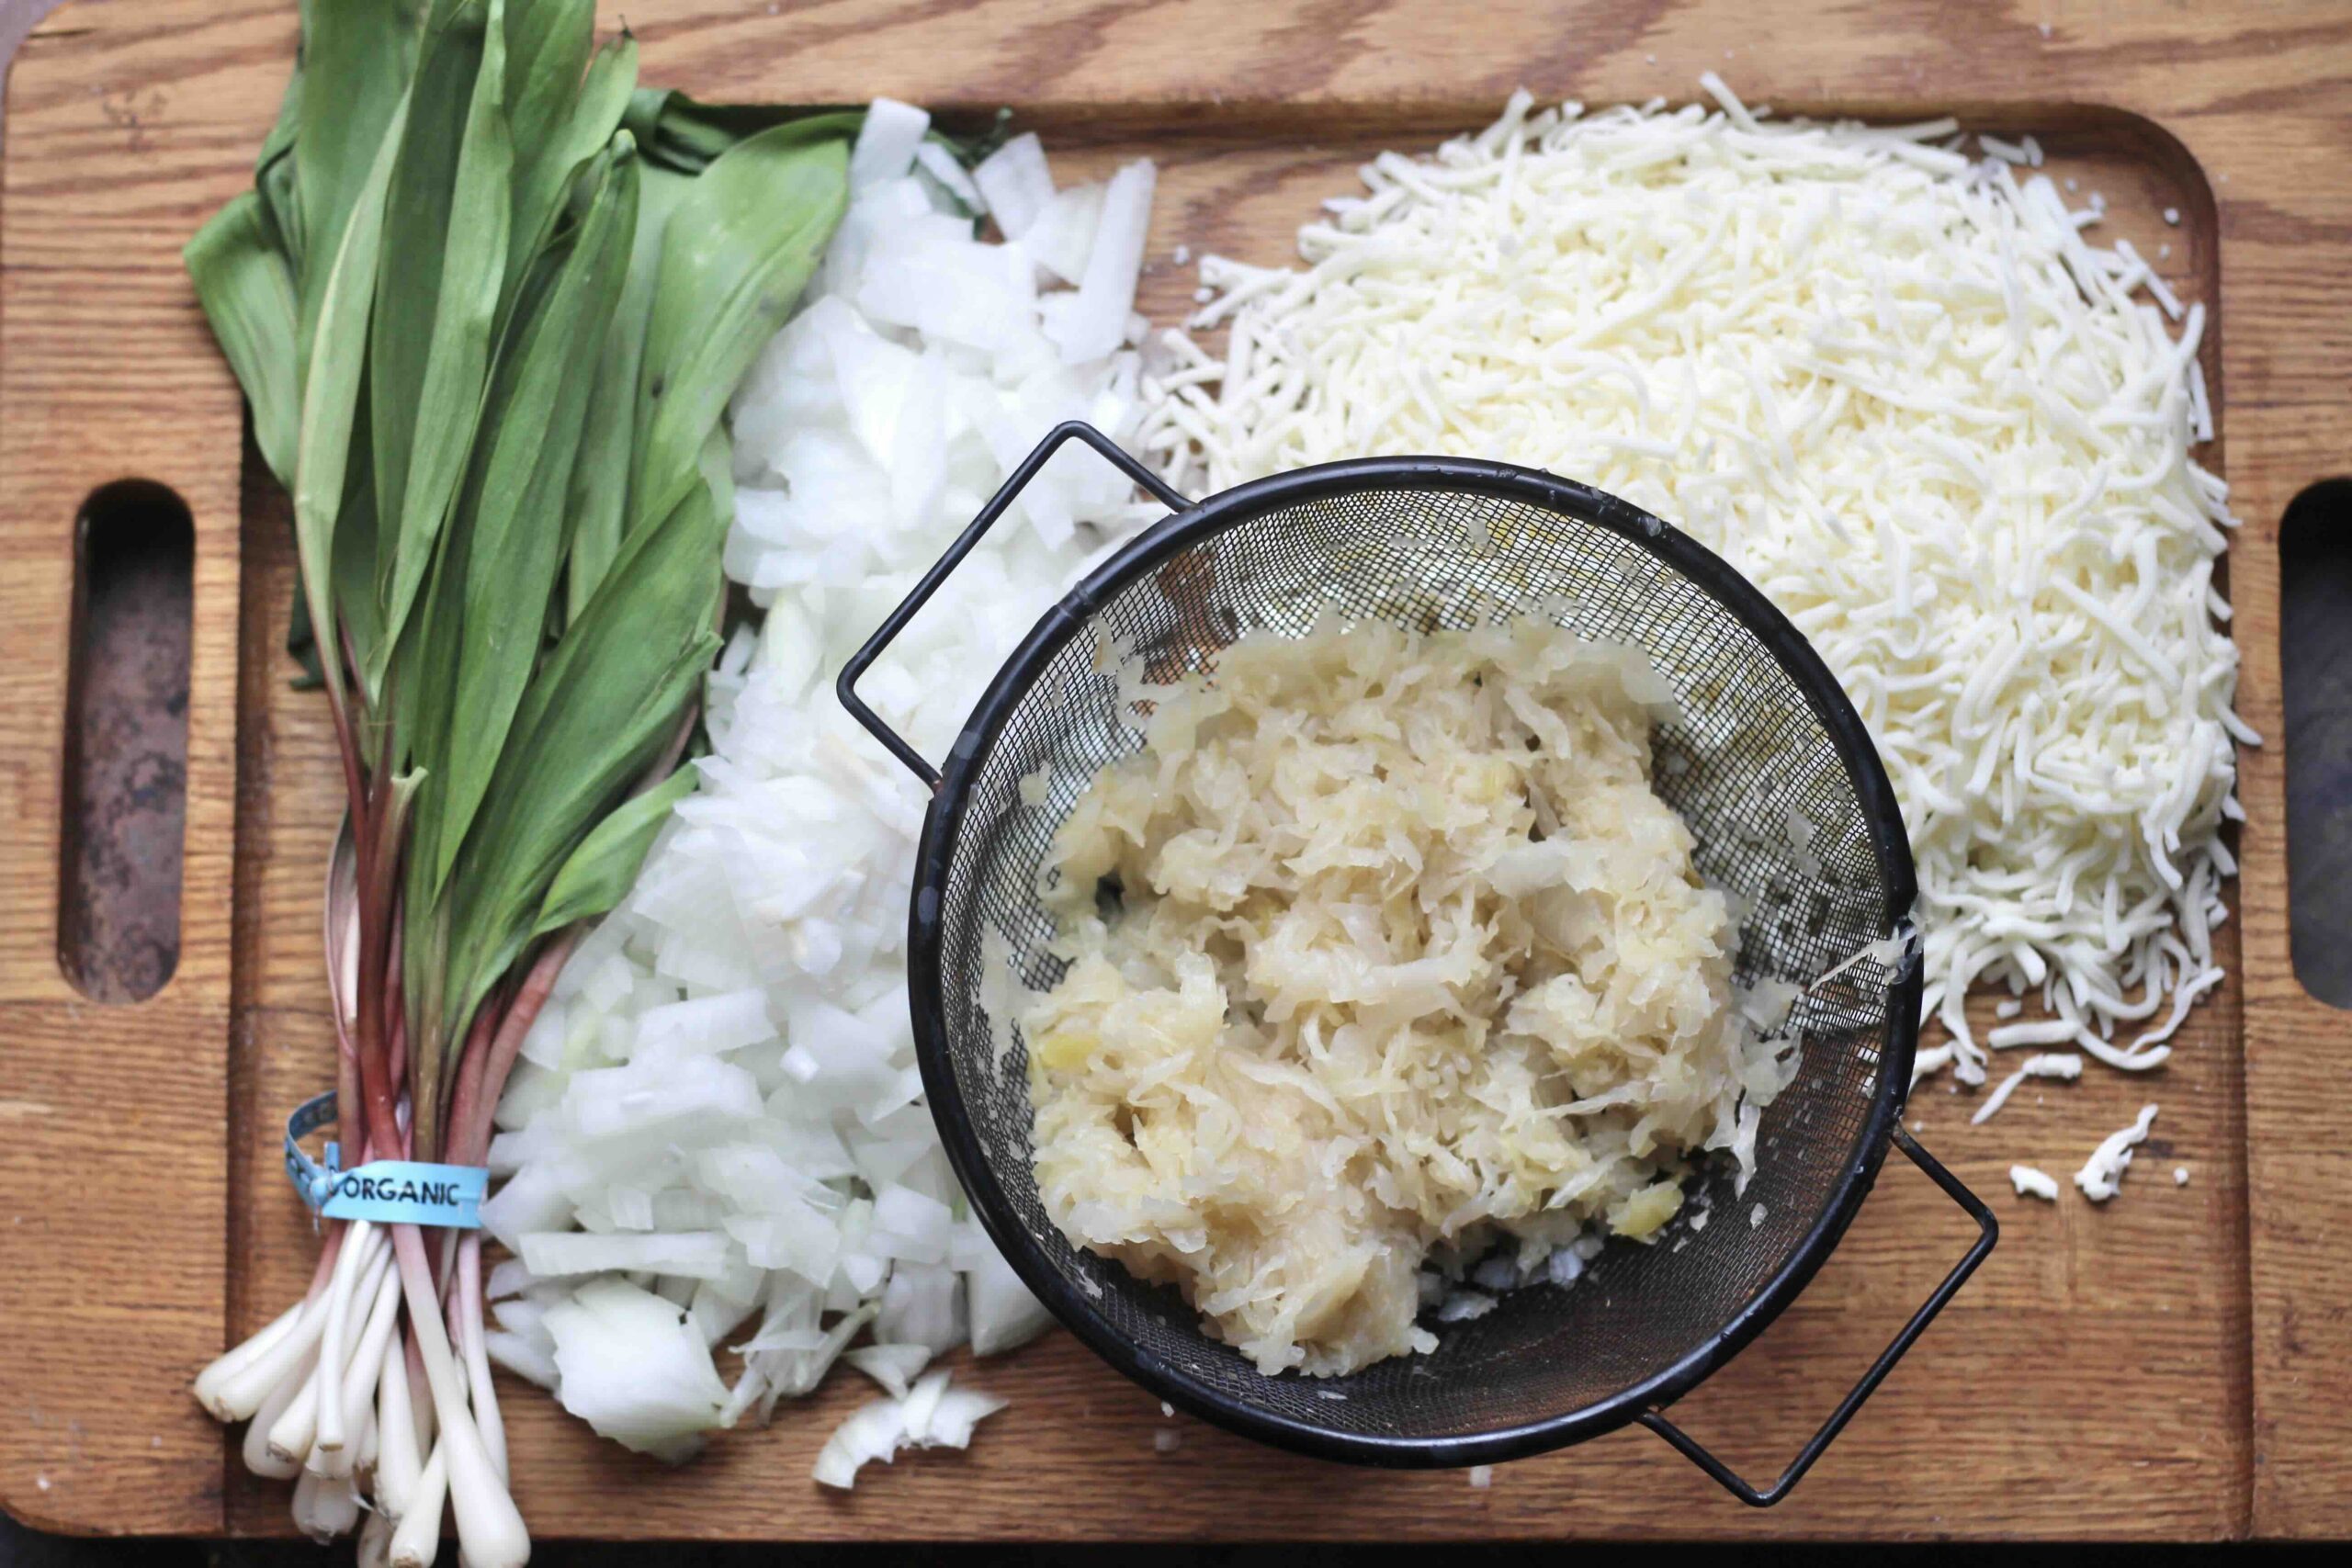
(2170, 1365)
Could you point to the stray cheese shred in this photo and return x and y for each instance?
(1379, 951)
(2032, 1182)
(1902, 393)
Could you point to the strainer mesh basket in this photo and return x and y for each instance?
(1766, 761)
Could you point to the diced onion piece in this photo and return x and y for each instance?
(1107, 294)
(941, 165)
(892, 1366)
(931, 1415)
(872, 1431)
(1005, 1314)
(522, 1358)
(923, 1305)
(1062, 239)
(887, 142)
(697, 1254)
(633, 1368)
(1016, 183)
(958, 1412)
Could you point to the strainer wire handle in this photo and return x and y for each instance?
(845, 688)
(1989, 1231)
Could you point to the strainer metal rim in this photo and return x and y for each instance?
(1196, 520)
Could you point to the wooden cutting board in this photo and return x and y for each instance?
(2170, 1365)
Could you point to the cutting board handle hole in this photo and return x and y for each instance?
(125, 795)
(2316, 660)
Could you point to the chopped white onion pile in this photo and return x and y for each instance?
(1896, 388)
(717, 1135)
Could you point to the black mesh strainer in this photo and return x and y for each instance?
(1764, 736)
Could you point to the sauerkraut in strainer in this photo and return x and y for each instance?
(1383, 952)
(1764, 759)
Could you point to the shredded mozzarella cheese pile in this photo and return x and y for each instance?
(1894, 388)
